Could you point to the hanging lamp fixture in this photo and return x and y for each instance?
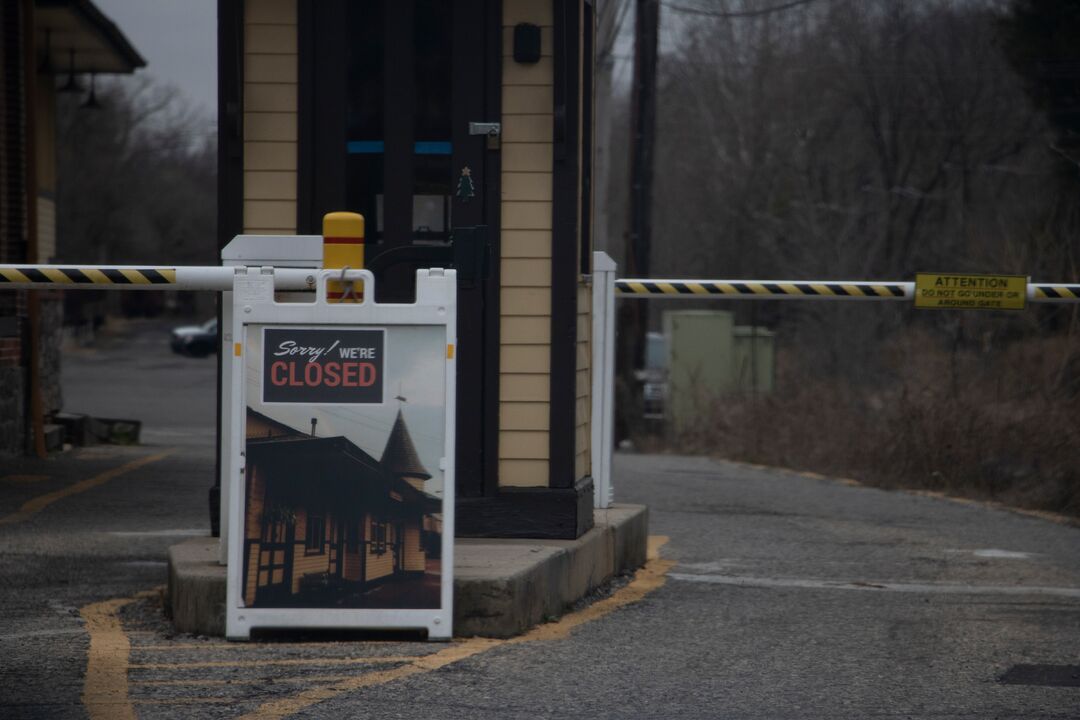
(72, 85)
(91, 101)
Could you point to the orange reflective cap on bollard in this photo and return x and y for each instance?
(343, 247)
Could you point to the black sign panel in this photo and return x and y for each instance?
(302, 365)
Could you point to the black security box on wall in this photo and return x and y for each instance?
(526, 43)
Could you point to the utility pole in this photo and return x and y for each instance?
(633, 315)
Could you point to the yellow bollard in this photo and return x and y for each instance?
(343, 247)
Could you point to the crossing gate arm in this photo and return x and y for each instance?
(141, 277)
(1054, 292)
(764, 289)
(643, 288)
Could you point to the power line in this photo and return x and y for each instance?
(736, 13)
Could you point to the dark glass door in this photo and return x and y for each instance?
(388, 90)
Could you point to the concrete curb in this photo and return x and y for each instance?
(501, 587)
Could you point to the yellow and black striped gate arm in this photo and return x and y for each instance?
(140, 277)
(848, 290)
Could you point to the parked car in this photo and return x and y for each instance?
(196, 340)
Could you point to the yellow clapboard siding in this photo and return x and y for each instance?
(584, 325)
(269, 156)
(581, 465)
(414, 554)
(269, 213)
(538, 73)
(584, 298)
(525, 243)
(518, 330)
(265, 68)
(582, 384)
(278, 12)
(582, 356)
(527, 99)
(581, 438)
(524, 388)
(525, 301)
(527, 157)
(525, 358)
(547, 43)
(269, 185)
(582, 410)
(536, 12)
(307, 565)
(523, 473)
(270, 97)
(252, 230)
(526, 215)
(528, 272)
(270, 126)
(270, 39)
(523, 445)
(528, 128)
(524, 416)
(534, 186)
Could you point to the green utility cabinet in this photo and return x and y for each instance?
(709, 356)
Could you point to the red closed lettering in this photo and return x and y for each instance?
(332, 374)
(277, 372)
(367, 374)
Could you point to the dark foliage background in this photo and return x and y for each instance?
(873, 139)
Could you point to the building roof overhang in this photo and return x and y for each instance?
(77, 37)
(335, 460)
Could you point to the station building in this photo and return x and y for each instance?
(46, 47)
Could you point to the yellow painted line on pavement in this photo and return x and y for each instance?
(646, 580)
(284, 663)
(36, 505)
(454, 653)
(243, 647)
(106, 692)
(105, 687)
(188, 700)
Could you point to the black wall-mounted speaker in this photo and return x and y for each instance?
(526, 43)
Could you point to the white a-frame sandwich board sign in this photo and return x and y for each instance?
(342, 465)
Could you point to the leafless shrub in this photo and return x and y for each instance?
(990, 420)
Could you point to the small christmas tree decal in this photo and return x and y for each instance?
(465, 188)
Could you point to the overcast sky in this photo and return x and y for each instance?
(178, 40)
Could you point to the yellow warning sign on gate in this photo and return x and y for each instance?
(975, 292)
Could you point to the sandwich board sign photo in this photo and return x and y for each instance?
(342, 499)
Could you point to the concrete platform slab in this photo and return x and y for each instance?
(501, 587)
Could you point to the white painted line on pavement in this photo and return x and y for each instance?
(1003, 554)
(183, 532)
(923, 588)
(993, 553)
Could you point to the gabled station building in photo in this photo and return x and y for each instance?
(46, 47)
(462, 132)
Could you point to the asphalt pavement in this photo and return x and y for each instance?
(779, 596)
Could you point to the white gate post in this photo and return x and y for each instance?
(603, 377)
